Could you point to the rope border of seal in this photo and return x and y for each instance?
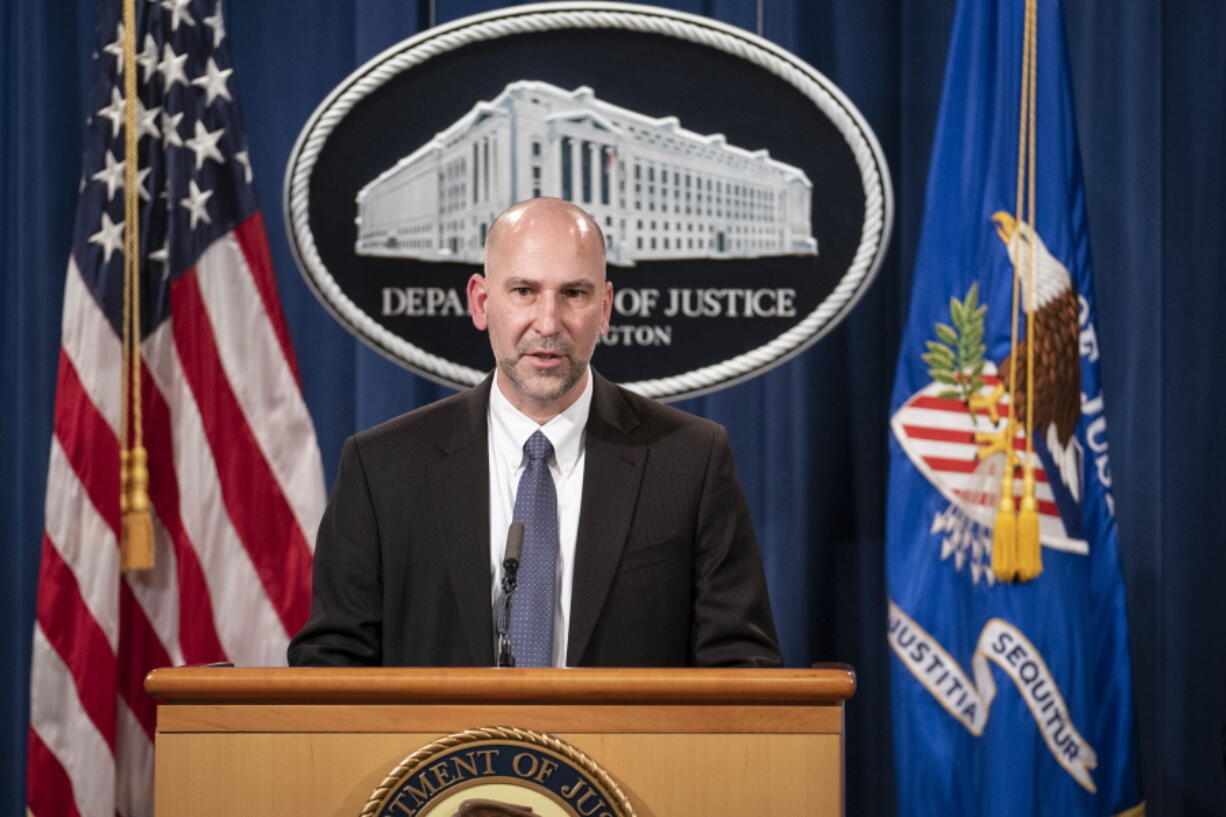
(425, 754)
(812, 84)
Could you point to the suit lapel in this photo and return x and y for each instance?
(459, 484)
(612, 472)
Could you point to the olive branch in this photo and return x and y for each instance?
(956, 358)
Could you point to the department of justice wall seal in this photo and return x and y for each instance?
(745, 202)
(498, 771)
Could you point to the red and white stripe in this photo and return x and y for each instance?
(237, 489)
(938, 436)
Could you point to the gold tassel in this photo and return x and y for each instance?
(1029, 547)
(136, 546)
(1004, 534)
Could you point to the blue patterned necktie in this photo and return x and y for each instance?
(536, 505)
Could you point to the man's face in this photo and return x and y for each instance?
(545, 302)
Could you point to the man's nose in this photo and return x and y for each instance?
(545, 320)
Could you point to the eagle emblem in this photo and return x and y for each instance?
(1057, 369)
(966, 430)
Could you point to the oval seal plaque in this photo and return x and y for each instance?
(745, 203)
(499, 771)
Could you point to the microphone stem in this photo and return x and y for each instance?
(509, 570)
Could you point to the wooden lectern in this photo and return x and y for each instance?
(679, 742)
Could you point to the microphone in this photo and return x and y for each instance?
(510, 569)
(515, 548)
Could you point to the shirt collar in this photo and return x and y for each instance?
(510, 428)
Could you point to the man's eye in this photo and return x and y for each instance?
(524, 291)
(575, 293)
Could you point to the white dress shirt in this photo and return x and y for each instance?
(509, 429)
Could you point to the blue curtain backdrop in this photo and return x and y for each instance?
(810, 437)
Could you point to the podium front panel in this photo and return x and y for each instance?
(694, 758)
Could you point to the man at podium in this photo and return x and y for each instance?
(544, 517)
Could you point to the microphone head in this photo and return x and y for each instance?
(515, 543)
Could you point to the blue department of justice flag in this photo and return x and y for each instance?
(1009, 697)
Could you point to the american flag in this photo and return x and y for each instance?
(235, 476)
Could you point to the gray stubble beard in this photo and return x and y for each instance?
(572, 376)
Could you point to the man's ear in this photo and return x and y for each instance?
(477, 295)
(606, 307)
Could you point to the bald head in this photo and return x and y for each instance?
(545, 219)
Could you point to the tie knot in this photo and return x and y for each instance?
(538, 447)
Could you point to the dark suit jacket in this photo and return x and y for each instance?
(667, 571)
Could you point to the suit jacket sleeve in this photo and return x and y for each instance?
(345, 627)
(732, 621)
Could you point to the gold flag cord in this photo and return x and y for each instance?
(136, 537)
(1029, 549)
(1015, 554)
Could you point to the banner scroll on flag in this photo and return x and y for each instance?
(1011, 675)
(235, 477)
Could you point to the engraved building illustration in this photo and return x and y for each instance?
(658, 190)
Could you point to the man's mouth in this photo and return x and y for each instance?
(544, 359)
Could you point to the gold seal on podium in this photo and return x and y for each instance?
(498, 771)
